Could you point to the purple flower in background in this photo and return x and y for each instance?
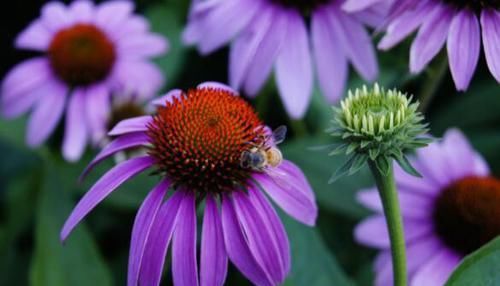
(449, 213)
(460, 24)
(196, 142)
(89, 53)
(267, 34)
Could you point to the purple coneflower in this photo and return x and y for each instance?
(195, 143)
(267, 34)
(88, 54)
(449, 213)
(459, 23)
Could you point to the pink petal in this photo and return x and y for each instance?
(97, 109)
(490, 23)
(35, 37)
(76, 130)
(132, 125)
(437, 269)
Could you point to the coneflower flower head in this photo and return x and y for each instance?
(378, 125)
(195, 143)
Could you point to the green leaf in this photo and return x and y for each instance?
(481, 268)
(76, 263)
(406, 166)
(313, 264)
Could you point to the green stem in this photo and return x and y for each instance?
(387, 190)
(435, 77)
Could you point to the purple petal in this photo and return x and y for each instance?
(294, 68)
(81, 11)
(134, 25)
(217, 85)
(132, 125)
(111, 14)
(237, 246)
(47, 113)
(266, 53)
(24, 79)
(76, 129)
(402, 26)
(167, 98)
(184, 265)
(245, 47)
(358, 5)
(291, 191)
(410, 183)
(223, 22)
(262, 242)
(159, 239)
(373, 231)
(35, 37)
(412, 205)
(138, 77)
(98, 109)
(213, 257)
(330, 59)
(55, 16)
(142, 228)
(276, 228)
(121, 143)
(356, 43)
(490, 22)
(433, 164)
(103, 187)
(463, 47)
(143, 46)
(430, 38)
(437, 269)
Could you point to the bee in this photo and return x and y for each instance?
(266, 153)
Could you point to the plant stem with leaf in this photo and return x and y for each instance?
(388, 193)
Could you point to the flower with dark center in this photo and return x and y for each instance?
(461, 24)
(267, 35)
(195, 143)
(448, 213)
(91, 55)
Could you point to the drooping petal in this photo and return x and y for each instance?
(217, 85)
(112, 14)
(35, 37)
(81, 11)
(291, 192)
(25, 78)
(246, 45)
(490, 23)
(373, 231)
(121, 143)
(184, 265)
(237, 246)
(47, 113)
(103, 187)
(262, 242)
(266, 53)
(55, 16)
(135, 24)
(159, 239)
(132, 125)
(143, 46)
(437, 269)
(138, 77)
(213, 257)
(167, 98)
(294, 74)
(464, 41)
(430, 38)
(358, 5)
(142, 228)
(356, 43)
(432, 164)
(276, 227)
(402, 26)
(97, 109)
(330, 58)
(76, 130)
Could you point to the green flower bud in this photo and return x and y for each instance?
(377, 125)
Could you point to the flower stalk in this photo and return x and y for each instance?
(388, 193)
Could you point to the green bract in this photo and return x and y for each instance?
(377, 125)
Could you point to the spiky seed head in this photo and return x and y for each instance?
(379, 125)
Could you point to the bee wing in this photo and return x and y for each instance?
(279, 134)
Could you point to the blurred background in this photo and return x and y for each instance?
(36, 195)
